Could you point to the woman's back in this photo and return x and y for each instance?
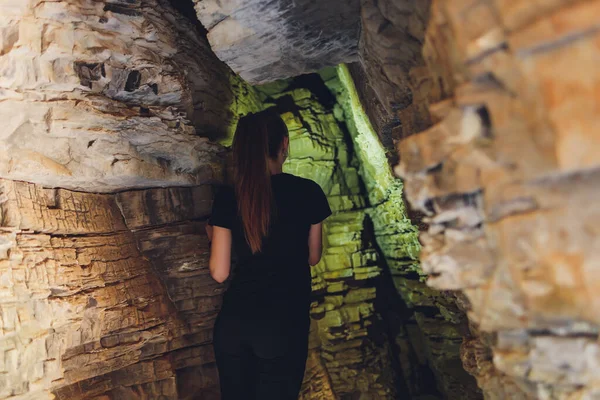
(279, 275)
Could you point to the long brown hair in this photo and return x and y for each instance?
(258, 137)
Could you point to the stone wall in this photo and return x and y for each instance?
(105, 95)
(108, 296)
(105, 294)
(491, 108)
(431, 325)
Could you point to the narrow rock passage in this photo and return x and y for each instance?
(456, 140)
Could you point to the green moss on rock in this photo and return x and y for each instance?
(396, 235)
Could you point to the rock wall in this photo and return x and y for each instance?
(266, 40)
(105, 95)
(430, 328)
(105, 296)
(108, 295)
(488, 109)
(492, 114)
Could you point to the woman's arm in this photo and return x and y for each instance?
(315, 244)
(220, 254)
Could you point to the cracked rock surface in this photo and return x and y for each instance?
(266, 40)
(490, 107)
(107, 95)
(105, 294)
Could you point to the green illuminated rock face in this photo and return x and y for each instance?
(434, 328)
(396, 235)
(244, 100)
(378, 330)
(345, 281)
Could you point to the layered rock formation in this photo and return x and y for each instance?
(490, 106)
(432, 328)
(494, 129)
(106, 95)
(108, 295)
(265, 40)
(105, 294)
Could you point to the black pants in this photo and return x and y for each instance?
(259, 358)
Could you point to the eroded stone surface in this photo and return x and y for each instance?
(431, 326)
(265, 40)
(97, 302)
(496, 142)
(107, 95)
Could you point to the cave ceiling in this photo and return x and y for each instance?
(266, 40)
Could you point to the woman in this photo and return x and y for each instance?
(273, 221)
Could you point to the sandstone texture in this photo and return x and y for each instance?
(105, 296)
(115, 116)
(266, 40)
(106, 95)
(492, 110)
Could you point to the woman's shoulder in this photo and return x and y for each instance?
(300, 181)
(224, 192)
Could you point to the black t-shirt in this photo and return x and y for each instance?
(278, 277)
